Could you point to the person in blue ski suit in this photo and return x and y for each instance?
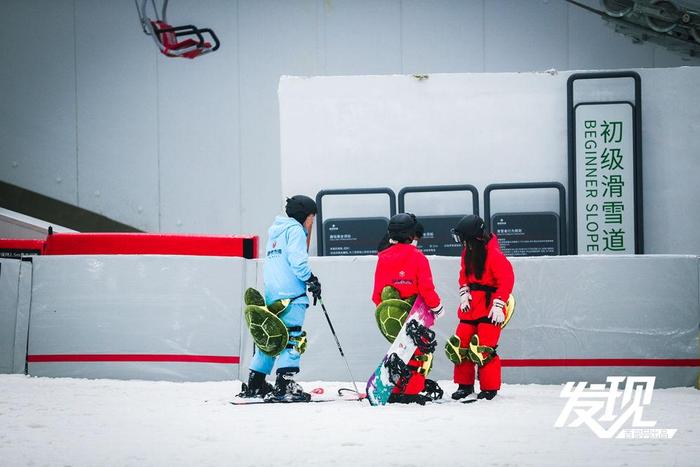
(286, 275)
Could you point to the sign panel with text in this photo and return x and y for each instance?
(605, 203)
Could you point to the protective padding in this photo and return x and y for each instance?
(390, 292)
(480, 354)
(509, 310)
(269, 332)
(390, 315)
(252, 297)
(454, 350)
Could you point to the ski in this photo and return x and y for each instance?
(315, 393)
(254, 401)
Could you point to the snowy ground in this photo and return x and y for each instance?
(75, 422)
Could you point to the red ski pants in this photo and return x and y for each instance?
(489, 374)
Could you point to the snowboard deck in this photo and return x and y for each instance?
(379, 385)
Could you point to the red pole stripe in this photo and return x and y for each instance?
(569, 362)
(234, 359)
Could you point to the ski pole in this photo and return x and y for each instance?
(323, 307)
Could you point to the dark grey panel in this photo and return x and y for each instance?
(593, 45)
(442, 36)
(198, 131)
(275, 38)
(117, 141)
(362, 37)
(37, 97)
(525, 36)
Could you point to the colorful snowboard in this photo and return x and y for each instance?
(379, 386)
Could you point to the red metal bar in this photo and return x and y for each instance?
(245, 246)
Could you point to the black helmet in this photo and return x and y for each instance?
(419, 230)
(468, 227)
(402, 226)
(299, 207)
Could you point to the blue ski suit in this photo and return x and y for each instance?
(286, 270)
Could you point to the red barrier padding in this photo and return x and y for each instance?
(18, 247)
(245, 246)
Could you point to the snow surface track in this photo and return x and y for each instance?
(78, 422)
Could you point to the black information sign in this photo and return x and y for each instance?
(527, 233)
(353, 236)
(437, 236)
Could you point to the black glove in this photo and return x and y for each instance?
(314, 287)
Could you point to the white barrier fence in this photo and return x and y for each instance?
(179, 318)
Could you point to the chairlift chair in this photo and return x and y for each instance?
(175, 41)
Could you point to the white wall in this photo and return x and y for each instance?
(580, 307)
(92, 115)
(134, 305)
(483, 128)
(15, 299)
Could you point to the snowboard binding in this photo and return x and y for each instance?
(398, 370)
(432, 390)
(423, 337)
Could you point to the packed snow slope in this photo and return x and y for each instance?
(77, 422)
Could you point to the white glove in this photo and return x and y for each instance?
(437, 310)
(464, 298)
(497, 315)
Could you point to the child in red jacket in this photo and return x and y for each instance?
(485, 283)
(405, 267)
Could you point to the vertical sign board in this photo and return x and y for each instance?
(605, 204)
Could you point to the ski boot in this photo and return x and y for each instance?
(463, 391)
(256, 387)
(488, 395)
(287, 390)
(423, 337)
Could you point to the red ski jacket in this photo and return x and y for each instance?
(406, 268)
(498, 278)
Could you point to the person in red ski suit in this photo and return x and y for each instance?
(485, 283)
(405, 267)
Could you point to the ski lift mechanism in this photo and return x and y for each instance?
(175, 41)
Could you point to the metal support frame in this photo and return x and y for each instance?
(527, 186)
(347, 191)
(440, 188)
(571, 162)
